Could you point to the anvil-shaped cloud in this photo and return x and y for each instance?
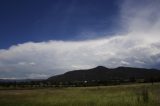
(138, 46)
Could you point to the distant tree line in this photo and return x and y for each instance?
(83, 83)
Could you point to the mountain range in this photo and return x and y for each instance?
(102, 73)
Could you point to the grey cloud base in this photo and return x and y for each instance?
(40, 60)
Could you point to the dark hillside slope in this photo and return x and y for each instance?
(101, 73)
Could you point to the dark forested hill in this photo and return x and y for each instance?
(98, 76)
(101, 73)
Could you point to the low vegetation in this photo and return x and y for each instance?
(119, 95)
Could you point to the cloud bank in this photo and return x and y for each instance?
(138, 46)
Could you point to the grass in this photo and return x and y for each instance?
(121, 95)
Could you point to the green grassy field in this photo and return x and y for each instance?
(120, 95)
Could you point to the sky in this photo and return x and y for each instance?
(43, 20)
(41, 38)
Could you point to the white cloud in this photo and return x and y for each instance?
(139, 47)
